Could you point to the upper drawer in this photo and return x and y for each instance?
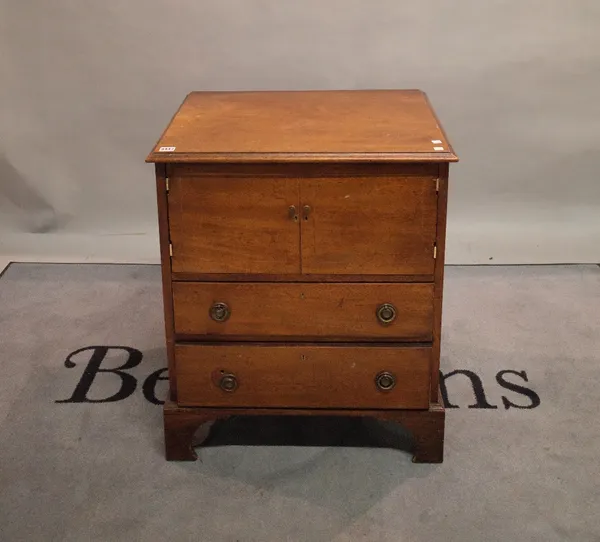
(305, 311)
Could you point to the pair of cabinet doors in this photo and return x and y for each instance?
(379, 225)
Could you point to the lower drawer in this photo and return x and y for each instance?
(311, 376)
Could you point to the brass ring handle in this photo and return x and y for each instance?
(386, 314)
(385, 381)
(220, 312)
(228, 382)
(306, 212)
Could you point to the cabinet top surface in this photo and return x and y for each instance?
(304, 126)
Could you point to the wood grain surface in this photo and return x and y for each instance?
(304, 170)
(368, 226)
(307, 312)
(297, 277)
(294, 375)
(234, 225)
(387, 125)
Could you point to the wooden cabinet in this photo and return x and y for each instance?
(302, 243)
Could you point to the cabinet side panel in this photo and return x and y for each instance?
(165, 261)
(439, 280)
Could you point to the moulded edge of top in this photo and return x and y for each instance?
(251, 157)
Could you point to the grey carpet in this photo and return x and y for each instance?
(80, 471)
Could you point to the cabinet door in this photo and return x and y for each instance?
(234, 225)
(369, 225)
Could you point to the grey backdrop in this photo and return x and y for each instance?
(86, 87)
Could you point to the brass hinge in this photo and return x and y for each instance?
(437, 185)
(167, 184)
(434, 252)
(171, 250)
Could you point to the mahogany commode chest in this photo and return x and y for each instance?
(302, 243)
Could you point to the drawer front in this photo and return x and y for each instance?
(303, 311)
(310, 376)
